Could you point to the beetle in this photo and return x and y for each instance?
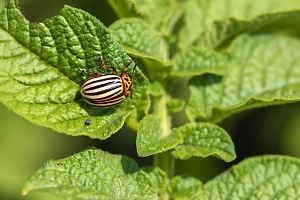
(106, 90)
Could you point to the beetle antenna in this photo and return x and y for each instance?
(133, 70)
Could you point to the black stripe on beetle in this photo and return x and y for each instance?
(105, 90)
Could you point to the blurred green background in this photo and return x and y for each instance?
(24, 147)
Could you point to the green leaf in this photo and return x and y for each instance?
(211, 23)
(39, 77)
(156, 89)
(92, 174)
(264, 177)
(223, 31)
(142, 41)
(184, 188)
(139, 39)
(124, 8)
(204, 139)
(158, 70)
(175, 105)
(159, 178)
(161, 15)
(150, 138)
(263, 70)
(192, 25)
(197, 61)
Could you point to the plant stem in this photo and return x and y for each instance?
(164, 160)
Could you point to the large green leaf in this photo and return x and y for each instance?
(196, 61)
(140, 39)
(204, 139)
(93, 174)
(143, 41)
(264, 177)
(213, 23)
(161, 15)
(223, 31)
(262, 70)
(150, 137)
(39, 77)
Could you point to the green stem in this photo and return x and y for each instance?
(164, 160)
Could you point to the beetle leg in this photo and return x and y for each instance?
(90, 74)
(107, 66)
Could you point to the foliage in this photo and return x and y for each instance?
(236, 54)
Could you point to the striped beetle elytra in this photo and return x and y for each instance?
(106, 90)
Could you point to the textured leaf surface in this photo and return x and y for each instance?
(142, 41)
(93, 174)
(184, 188)
(267, 177)
(159, 178)
(150, 138)
(197, 61)
(161, 15)
(263, 70)
(223, 31)
(139, 38)
(204, 139)
(220, 20)
(39, 77)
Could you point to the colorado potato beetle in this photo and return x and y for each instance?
(106, 90)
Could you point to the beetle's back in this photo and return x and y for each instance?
(103, 91)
